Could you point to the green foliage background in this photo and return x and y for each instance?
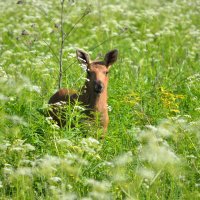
(151, 150)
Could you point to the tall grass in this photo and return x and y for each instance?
(151, 150)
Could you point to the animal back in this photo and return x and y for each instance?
(63, 95)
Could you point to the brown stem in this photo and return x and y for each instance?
(61, 45)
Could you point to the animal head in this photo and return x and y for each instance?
(97, 71)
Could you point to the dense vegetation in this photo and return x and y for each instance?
(151, 150)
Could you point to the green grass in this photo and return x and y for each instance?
(151, 150)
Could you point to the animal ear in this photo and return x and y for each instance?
(83, 57)
(111, 57)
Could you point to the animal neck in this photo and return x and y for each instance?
(92, 100)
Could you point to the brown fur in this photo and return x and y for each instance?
(94, 92)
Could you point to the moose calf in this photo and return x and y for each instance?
(93, 94)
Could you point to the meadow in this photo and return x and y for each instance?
(152, 147)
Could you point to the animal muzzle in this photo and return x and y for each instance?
(98, 87)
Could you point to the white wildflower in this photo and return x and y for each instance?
(65, 142)
(17, 149)
(49, 118)
(146, 173)
(23, 171)
(35, 88)
(3, 97)
(109, 108)
(81, 108)
(16, 119)
(93, 141)
(182, 177)
(191, 156)
(1, 184)
(29, 147)
(84, 67)
(152, 128)
(69, 187)
(5, 145)
(74, 158)
(55, 126)
(164, 132)
(68, 196)
(99, 186)
(108, 164)
(70, 55)
(56, 179)
(157, 154)
(60, 103)
(8, 169)
(187, 116)
(99, 189)
(26, 162)
(123, 159)
(53, 188)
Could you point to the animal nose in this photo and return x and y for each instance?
(98, 86)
